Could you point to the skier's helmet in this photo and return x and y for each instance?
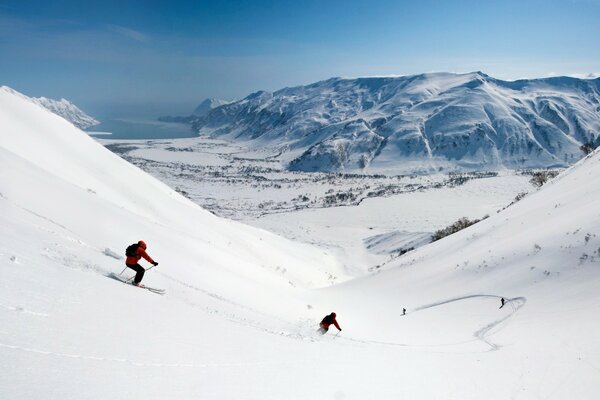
(333, 314)
(142, 244)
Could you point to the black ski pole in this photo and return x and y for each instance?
(130, 279)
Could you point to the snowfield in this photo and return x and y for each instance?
(364, 220)
(241, 307)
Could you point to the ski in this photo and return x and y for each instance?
(128, 282)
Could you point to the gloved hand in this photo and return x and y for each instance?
(155, 263)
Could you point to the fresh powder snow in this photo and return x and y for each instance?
(345, 214)
(242, 305)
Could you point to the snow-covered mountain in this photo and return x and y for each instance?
(207, 105)
(68, 111)
(419, 123)
(203, 108)
(239, 316)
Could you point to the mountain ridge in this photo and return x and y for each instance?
(63, 108)
(207, 105)
(201, 110)
(418, 123)
(68, 111)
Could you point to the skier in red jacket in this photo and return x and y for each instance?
(328, 320)
(132, 262)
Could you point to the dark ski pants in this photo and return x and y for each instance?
(139, 272)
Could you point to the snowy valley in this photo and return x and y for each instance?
(242, 304)
(365, 220)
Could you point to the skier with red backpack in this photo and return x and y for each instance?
(134, 253)
(326, 322)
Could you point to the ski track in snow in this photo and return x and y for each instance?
(23, 310)
(482, 334)
(234, 318)
(130, 362)
(45, 219)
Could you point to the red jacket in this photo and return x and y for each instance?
(326, 325)
(139, 253)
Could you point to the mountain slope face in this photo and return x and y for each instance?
(67, 176)
(542, 255)
(207, 105)
(418, 123)
(68, 111)
(241, 306)
(203, 109)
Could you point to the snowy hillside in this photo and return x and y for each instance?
(419, 123)
(363, 219)
(543, 254)
(67, 176)
(68, 111)
(239, 315)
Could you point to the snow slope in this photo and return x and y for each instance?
(543, 253)
(67, 159)
(238, 318)
(419, 123)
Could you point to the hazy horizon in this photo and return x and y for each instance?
(158, 57)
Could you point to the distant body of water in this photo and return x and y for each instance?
(132, 128)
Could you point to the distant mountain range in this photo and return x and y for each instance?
(203, 109)
(62, 108)
(68, 111)
(207, 105)
(420, 123)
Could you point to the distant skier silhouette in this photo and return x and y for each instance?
(326, 322)
(404, 311)
(134, 253)
(502, 302)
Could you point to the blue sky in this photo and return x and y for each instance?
(170, 55)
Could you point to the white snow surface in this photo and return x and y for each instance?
(416, 124)
(344, 214)
(241, 306)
